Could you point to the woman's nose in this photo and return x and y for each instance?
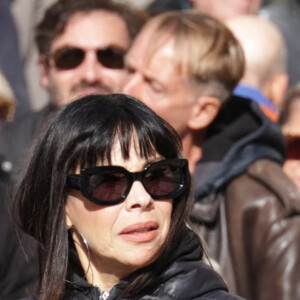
(138, 197)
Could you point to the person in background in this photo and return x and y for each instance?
(286, 15)
(265, 79)
(160, 6)
(7, 101)
(107, 196)
(26, 15)
(226, 9)
(81, 46)
(290, 124)
(185, 65)
(11, 63)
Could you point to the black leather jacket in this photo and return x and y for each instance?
(246, 209)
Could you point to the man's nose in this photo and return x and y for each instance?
(91, 68)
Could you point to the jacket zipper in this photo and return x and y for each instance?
(103, 295)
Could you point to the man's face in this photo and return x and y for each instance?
(158, 82)
(225, 9)
(89, 32)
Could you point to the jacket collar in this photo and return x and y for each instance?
(240, 135)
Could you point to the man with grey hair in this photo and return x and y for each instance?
(265, 79)
(184, 65)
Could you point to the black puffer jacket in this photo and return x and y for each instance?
(185, 276)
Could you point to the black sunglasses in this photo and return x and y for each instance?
(68, 58)
(108, 185)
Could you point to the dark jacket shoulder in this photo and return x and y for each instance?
(16, 137)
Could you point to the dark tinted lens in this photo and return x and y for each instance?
(108, 185)
(111, 57)
(162, 180)
(293, 148)
(68, 58)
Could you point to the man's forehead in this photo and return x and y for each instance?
(148, 45)
(97, 28)
(152, 56)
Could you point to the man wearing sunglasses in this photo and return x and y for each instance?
(185, 65)
(81, 48)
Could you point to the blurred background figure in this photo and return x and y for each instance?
(160, 6)
(141, 4)
(286, 15)
(225, 9)
(11, 63)
(222, 9)
(7, 101)
(265, 79)
(157, 6)
(290, 122)
(81, 47)
(27, 14)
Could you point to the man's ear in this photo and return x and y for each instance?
(44, 71)
(204, 111)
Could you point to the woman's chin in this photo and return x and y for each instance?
(139, 258)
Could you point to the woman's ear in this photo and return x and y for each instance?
(204, 111)
(69, 223)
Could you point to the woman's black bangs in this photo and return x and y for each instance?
(97, 148)
(91, 139)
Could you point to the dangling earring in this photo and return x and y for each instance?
(87, 248)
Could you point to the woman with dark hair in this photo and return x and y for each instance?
(107, 196)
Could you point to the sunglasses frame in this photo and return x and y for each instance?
(80, 181)
(114, 49)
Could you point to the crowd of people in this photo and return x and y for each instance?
(165, 162)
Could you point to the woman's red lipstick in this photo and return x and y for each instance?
(140, 232)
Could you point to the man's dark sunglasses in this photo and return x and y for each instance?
(68, 58)
(108, 185)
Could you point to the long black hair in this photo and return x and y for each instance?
(83, 134)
